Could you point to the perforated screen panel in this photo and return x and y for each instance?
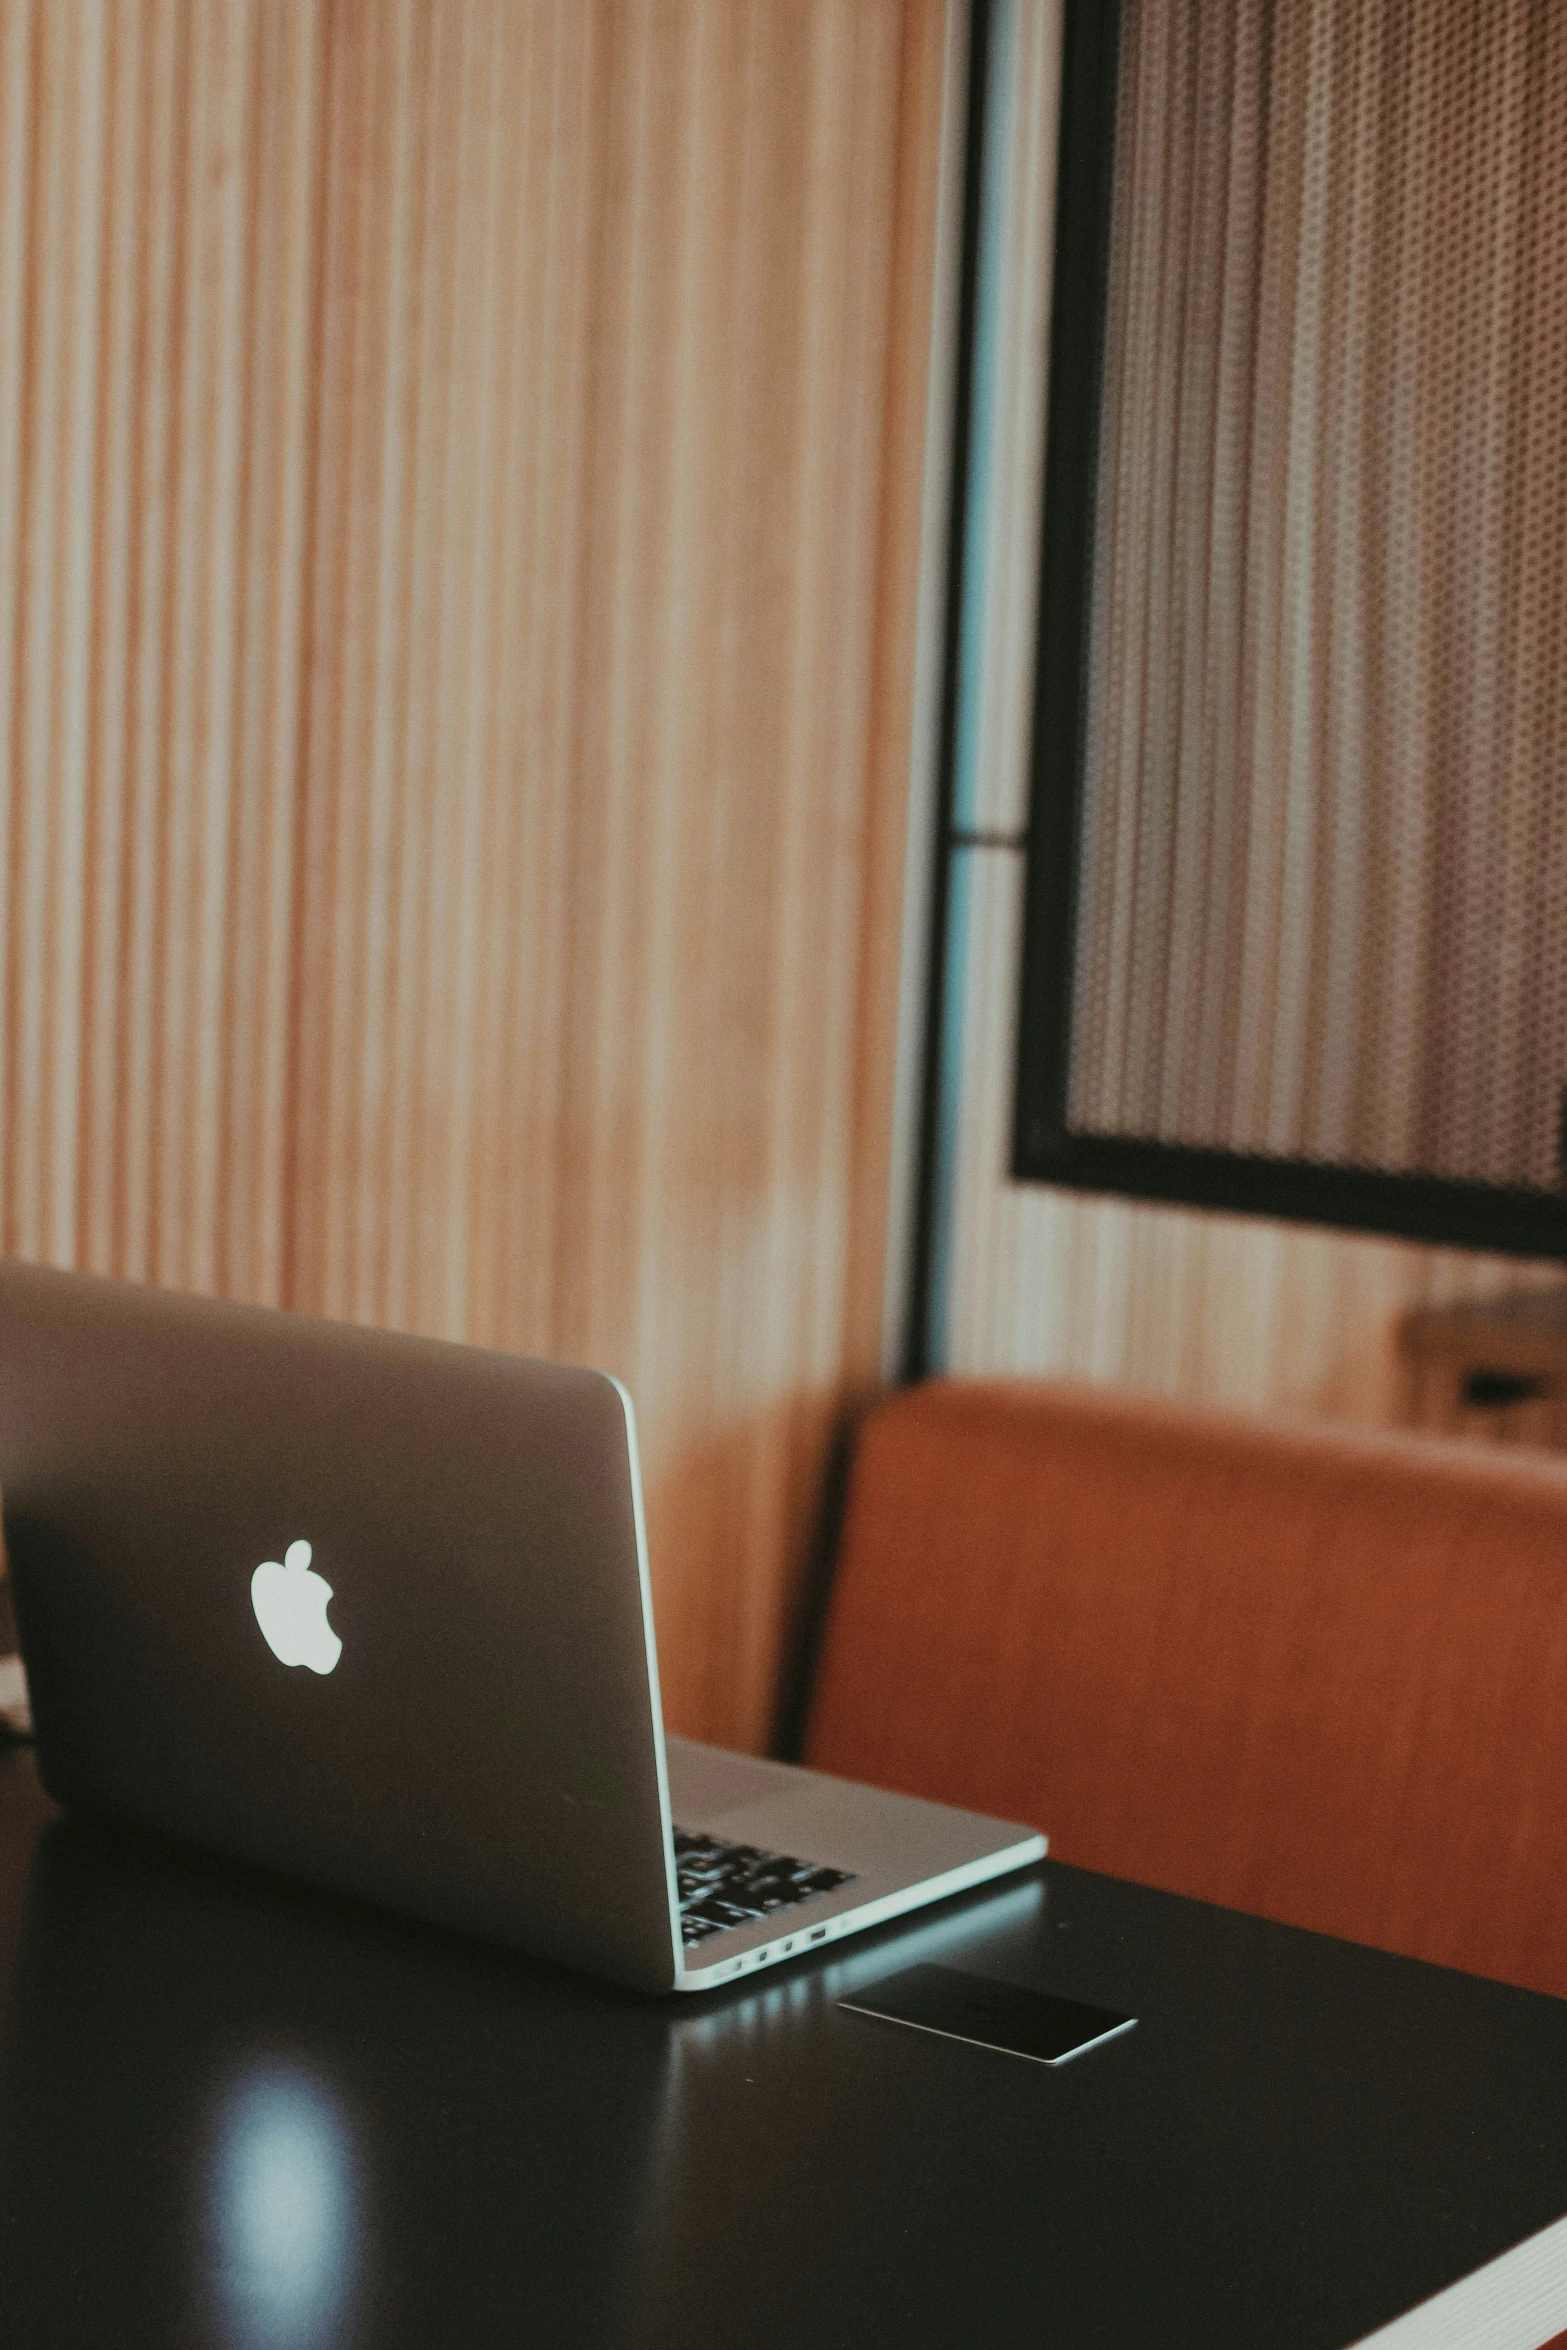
(1321, 844)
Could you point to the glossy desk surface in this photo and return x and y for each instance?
(233, 2112)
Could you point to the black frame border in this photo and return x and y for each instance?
(1505, 1220)
(917, 1347)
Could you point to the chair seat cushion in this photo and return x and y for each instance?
(1315, 1675)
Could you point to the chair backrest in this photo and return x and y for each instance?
(1315, 1675)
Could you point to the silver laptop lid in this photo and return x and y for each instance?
(468, 1728)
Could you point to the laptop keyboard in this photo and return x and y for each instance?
(734, 1884)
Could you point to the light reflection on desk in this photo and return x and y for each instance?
(235, 2115)
(238, 2116)
(284, 2212)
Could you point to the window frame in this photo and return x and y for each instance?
(1045, 1149)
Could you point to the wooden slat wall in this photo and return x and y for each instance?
(460, 485)
(1229, 1310)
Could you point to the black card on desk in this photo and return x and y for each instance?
(994, 2015)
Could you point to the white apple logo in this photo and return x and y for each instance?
(290, 1604)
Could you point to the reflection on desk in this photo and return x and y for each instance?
(296, 2122)
(235, 2112)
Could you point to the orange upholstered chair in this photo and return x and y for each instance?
(1316, 1675)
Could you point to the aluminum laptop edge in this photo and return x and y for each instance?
(374, 1611)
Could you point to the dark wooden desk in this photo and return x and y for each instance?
(232, 2112)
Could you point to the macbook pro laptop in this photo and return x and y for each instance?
(374, 1610)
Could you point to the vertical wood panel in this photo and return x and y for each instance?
(460, 489)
